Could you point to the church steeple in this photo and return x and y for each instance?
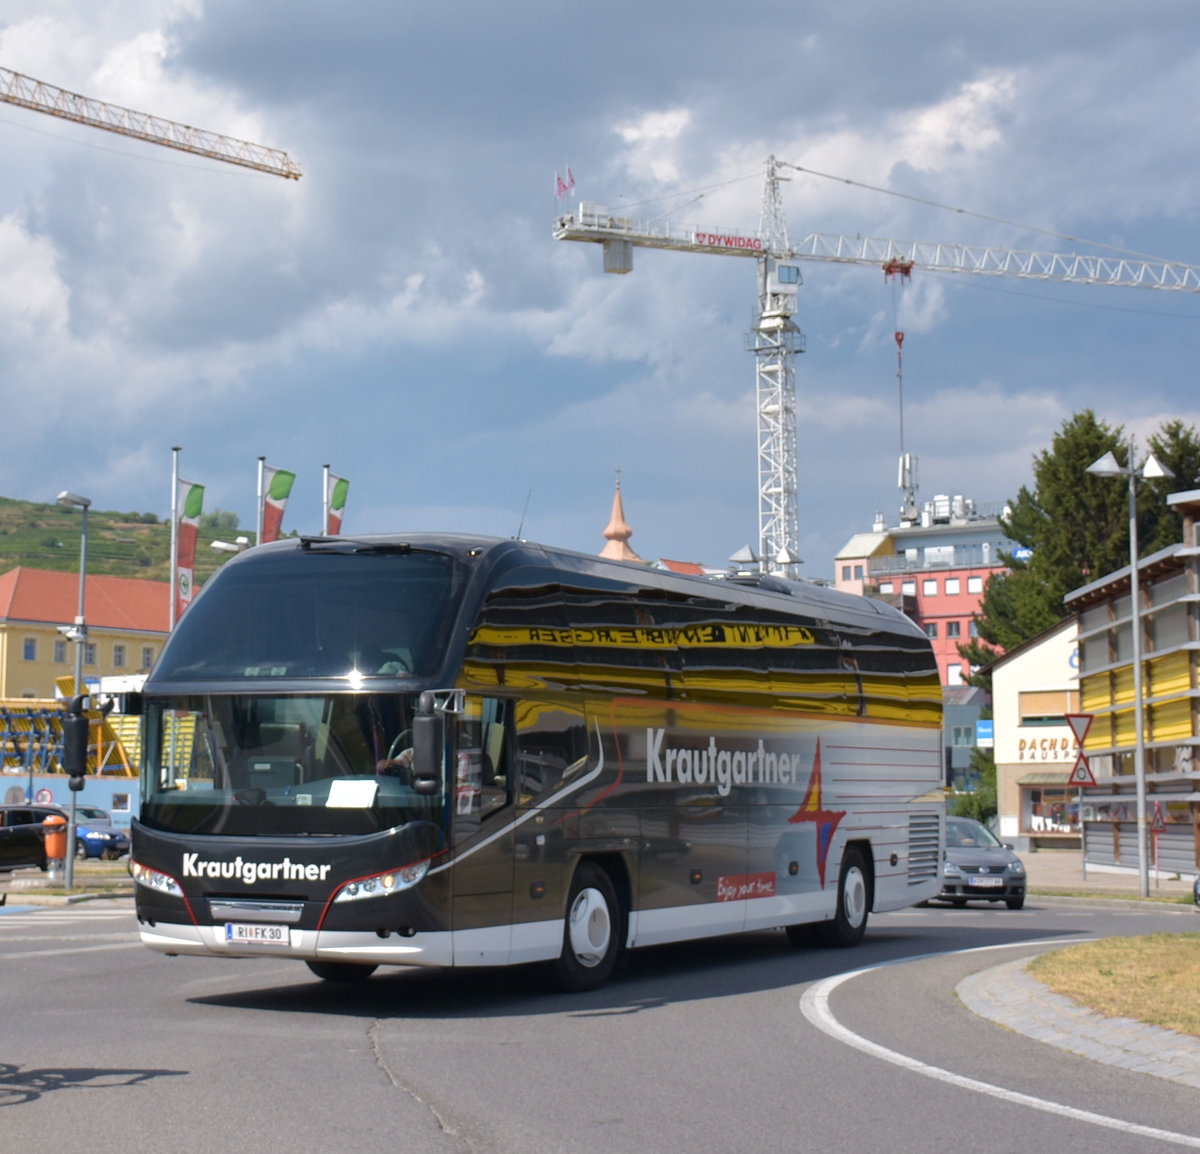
(618, 532)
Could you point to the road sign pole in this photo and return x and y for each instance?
(1082, 835)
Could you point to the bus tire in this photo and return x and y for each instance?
(341, 971)
(591, 933)
(853, 904)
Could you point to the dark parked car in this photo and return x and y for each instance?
(21, 837)
(979, 868)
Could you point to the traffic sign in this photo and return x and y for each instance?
(1082, 774)
(1080, 723)
(1159, 822)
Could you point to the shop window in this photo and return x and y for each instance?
(1051, 811)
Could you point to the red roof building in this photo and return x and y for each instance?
(127, 621)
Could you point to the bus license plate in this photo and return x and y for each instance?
(248, 934)
(987, 883)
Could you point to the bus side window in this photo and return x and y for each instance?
(551, 745)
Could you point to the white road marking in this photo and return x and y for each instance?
(17, 955)
(814, 1005)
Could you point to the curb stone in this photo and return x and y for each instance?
(1008, 995)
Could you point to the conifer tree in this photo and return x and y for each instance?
(1076, 527)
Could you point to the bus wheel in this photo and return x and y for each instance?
(341, 971)
(854, 901)
(592, 931)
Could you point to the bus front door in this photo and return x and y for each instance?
(482, 833)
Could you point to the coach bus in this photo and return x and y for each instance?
(465, 751)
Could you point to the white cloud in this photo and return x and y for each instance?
(34, 302)
(653, 140)
(405, 299)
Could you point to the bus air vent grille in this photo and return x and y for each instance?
(923, 841)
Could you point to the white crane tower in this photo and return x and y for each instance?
(25, 92)
(775, 338)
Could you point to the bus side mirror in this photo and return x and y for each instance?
(427, 747)
(75, 728)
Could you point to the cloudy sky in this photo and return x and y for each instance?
(403, 313)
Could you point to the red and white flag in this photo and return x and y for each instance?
(190, 502)
(560, 187)
(277, 487)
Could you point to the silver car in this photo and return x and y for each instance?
(978, 867)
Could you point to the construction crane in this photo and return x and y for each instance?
(26, 92)
(775, 339)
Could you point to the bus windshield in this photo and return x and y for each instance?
(281, 765)
(328, 613)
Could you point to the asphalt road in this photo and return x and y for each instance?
(738, 1044)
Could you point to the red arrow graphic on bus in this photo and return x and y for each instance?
(826, 820)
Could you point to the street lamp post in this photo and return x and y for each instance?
(1107, 466)
(75, 501)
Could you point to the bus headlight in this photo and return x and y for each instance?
(381, 885)
(153, 880)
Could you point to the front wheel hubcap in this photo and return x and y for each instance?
(589, 927)
(854, 897)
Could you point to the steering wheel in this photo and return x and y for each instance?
(402, 742)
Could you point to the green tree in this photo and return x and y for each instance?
(1177, 446)
(219, 521)
(1076, 526)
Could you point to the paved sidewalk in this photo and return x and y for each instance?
(1063, 871)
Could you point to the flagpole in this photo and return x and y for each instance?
(258, 524)
(174, 532)
(325, 503)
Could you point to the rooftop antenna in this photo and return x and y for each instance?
(521, 526)
(907, 479)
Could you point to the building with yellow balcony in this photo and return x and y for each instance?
(1168, 621)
